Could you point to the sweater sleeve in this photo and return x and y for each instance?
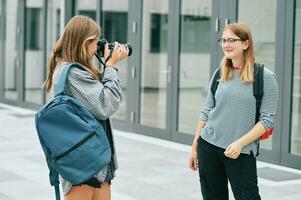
(269, 102)
(103, 98)
(209, 102)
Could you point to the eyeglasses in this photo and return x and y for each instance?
(231, 41)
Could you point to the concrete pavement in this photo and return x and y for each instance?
(149, 168)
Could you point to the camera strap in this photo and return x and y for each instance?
(100, 60)
(103, 63)
(110, 56)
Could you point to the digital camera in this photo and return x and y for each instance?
(101, 47)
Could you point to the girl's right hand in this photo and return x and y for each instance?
(118, 53)
(193, 160)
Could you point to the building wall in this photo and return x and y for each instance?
(148, 94)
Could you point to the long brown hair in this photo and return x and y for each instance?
(72, 46)
(246, 72)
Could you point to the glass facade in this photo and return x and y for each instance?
(34, 55)
(114, 24)
(261, 20)
(194, 72)
(169, 86)
(11, 63)
(53, 24)
(87, 8)
(2, 34)
(154, 69)
(296, 90)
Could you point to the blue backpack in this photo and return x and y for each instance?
(74, 142)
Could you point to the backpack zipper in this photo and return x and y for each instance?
(74, 147)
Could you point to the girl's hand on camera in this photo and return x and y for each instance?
(118, 53)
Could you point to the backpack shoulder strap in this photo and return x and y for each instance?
(60, 87)
(215, 83)
(54, 181)
(258, 87)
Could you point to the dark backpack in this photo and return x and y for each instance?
(74, 142)
(257, 92)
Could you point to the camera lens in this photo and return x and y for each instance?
(101, 47)
(129, 47)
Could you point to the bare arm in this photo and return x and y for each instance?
(252, 135)
(207, 107)
(234, 149)
(193, 160)
(199, 128)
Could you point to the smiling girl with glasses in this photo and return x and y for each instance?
(225, 145)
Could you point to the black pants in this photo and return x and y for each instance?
(215, 169)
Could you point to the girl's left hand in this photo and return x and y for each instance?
(233, 150)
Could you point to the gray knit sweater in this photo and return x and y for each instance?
(102, 99)
(234, 112)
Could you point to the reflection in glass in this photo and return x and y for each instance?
(194, 62)
(154, 64)
(296, 92)
(11, 65)
(2, 29)
(87, 8)
(53, 29)
(34, 68)
(262, 21)
(114, 28)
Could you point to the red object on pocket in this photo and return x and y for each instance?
(266, 134)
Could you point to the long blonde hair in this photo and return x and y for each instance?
(72, 46)
(246, 72)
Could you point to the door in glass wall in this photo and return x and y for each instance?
(114, 25)
(12, 64)
(262, 22)
(155, 72)
(295, 139)
(34, 54)
(194, 66)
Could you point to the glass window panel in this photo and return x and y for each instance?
(34, 68)
(296, 95)
(2, 34)
(153, 86)
(114, 28)
(33, 39)
(158, 40)
(87, 8)
(194, 62)
(262, 21)
(53, 28)
(11, 49)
